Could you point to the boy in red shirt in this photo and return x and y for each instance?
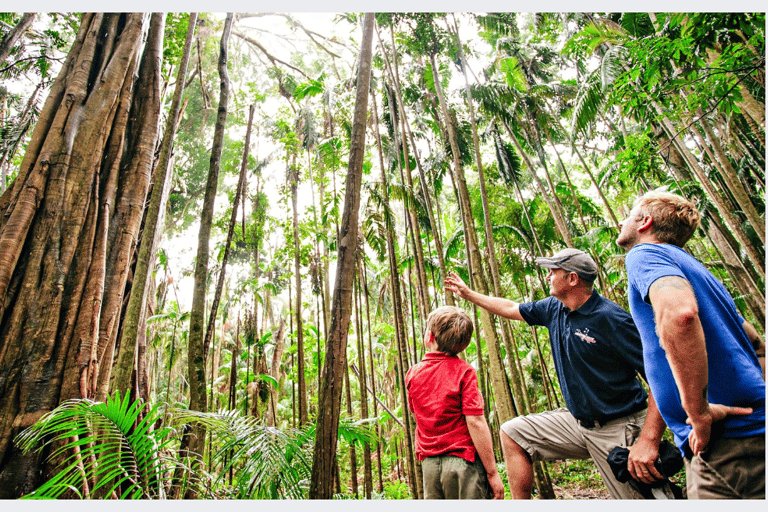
(452, 437)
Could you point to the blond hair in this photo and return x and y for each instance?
(675, 218)
(452, 329)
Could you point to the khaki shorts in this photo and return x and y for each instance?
(729, 468)
(556, 435)
(448, 477)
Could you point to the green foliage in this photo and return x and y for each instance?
(113, 444)
(396, 490)
(425, 37)
(176, 25)
(119, 450)
(497, 25)
(270, 463)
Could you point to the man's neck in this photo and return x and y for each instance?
(576, 298)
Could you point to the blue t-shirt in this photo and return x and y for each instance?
(735, 375)
(597, 353)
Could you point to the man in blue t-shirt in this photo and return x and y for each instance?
(598, 356)
(701, 356)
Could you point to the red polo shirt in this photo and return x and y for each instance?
(442, 389)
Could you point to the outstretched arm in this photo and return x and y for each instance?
(682, 337)
(481, 438)
(496, 305)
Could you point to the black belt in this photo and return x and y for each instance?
(590, 424)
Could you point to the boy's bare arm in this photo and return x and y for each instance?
(481, 437)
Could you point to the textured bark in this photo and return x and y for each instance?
(329, 399)
(154, 219)
(12, 37)
(68, 228)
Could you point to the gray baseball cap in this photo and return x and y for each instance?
(572, 260)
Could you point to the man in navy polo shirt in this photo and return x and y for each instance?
(598, 355)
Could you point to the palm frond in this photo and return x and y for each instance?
(612, 65)
(271, 463)
(638, 24)
(588, 102)
(509, 161)
(102, 445)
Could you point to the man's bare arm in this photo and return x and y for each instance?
(645, 451)
(682, 337)
(496, 305)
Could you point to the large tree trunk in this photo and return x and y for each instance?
(121, 377)
(329, 399)
(68, 228)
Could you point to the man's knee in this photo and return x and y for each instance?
(509, 446)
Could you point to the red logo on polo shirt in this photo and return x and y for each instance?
(585, 336)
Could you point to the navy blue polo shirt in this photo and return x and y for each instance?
(597, 353)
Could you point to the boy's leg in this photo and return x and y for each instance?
(519, 468)
(462, 480)
(431, 470)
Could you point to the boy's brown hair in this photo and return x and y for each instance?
(452, 329)
(675, 218)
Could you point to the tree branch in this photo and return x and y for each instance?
(274, 60)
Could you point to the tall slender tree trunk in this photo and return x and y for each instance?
(730, 177)
(562, 227)
(727, 215)
(68, 227)
(372, 370)
(352, 452)
(239, 195)
(394, 283)
(302, 398)
(501, 391)
(12, 37)
(196, 353)
(423, 293)
(329, 398)
(367, 466)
